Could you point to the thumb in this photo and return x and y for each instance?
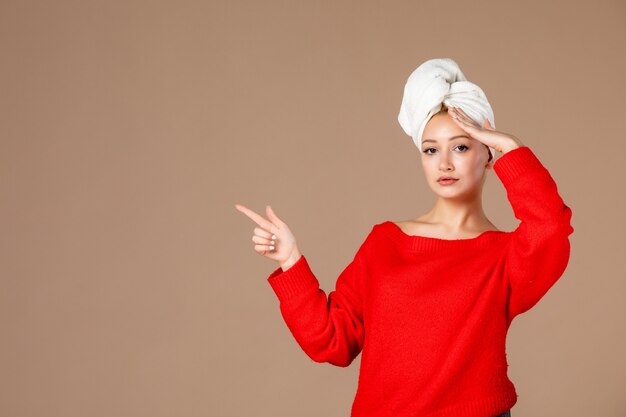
(271, 215)
(487, 124)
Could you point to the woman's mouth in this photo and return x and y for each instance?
(447, 181)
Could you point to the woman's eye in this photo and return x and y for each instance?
(426, 151)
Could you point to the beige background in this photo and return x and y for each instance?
(129, 285)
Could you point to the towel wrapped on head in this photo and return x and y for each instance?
(435, 82)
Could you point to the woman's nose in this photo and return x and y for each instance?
(444, 162)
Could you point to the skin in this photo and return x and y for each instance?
(448, 150)
(458, 210)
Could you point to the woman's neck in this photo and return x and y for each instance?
(456, 217)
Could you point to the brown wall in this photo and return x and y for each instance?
(128, 282)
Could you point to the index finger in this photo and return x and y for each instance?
(257, 218)
(465, 116)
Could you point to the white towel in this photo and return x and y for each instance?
(437, 81)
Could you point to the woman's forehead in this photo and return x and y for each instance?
(441, 126)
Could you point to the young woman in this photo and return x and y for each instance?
(428, 301)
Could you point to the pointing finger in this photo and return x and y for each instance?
(258, 219)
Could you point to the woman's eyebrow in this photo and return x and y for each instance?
(449, 139)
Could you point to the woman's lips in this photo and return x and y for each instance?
(447, 181)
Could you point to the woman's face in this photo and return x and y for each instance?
(447, 150)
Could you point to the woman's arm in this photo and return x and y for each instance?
(540, 248)
(328, 329)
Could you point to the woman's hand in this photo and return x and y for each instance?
(501, 142)
(273, 238)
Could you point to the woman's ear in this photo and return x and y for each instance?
(490, 159)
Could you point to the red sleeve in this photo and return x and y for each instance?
(539, 249)
(328, 329)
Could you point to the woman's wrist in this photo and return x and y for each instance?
(512, 144)
(293, 258)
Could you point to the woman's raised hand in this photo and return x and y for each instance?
(273, 238)
(500, 141)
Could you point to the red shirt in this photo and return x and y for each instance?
(431, 315)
